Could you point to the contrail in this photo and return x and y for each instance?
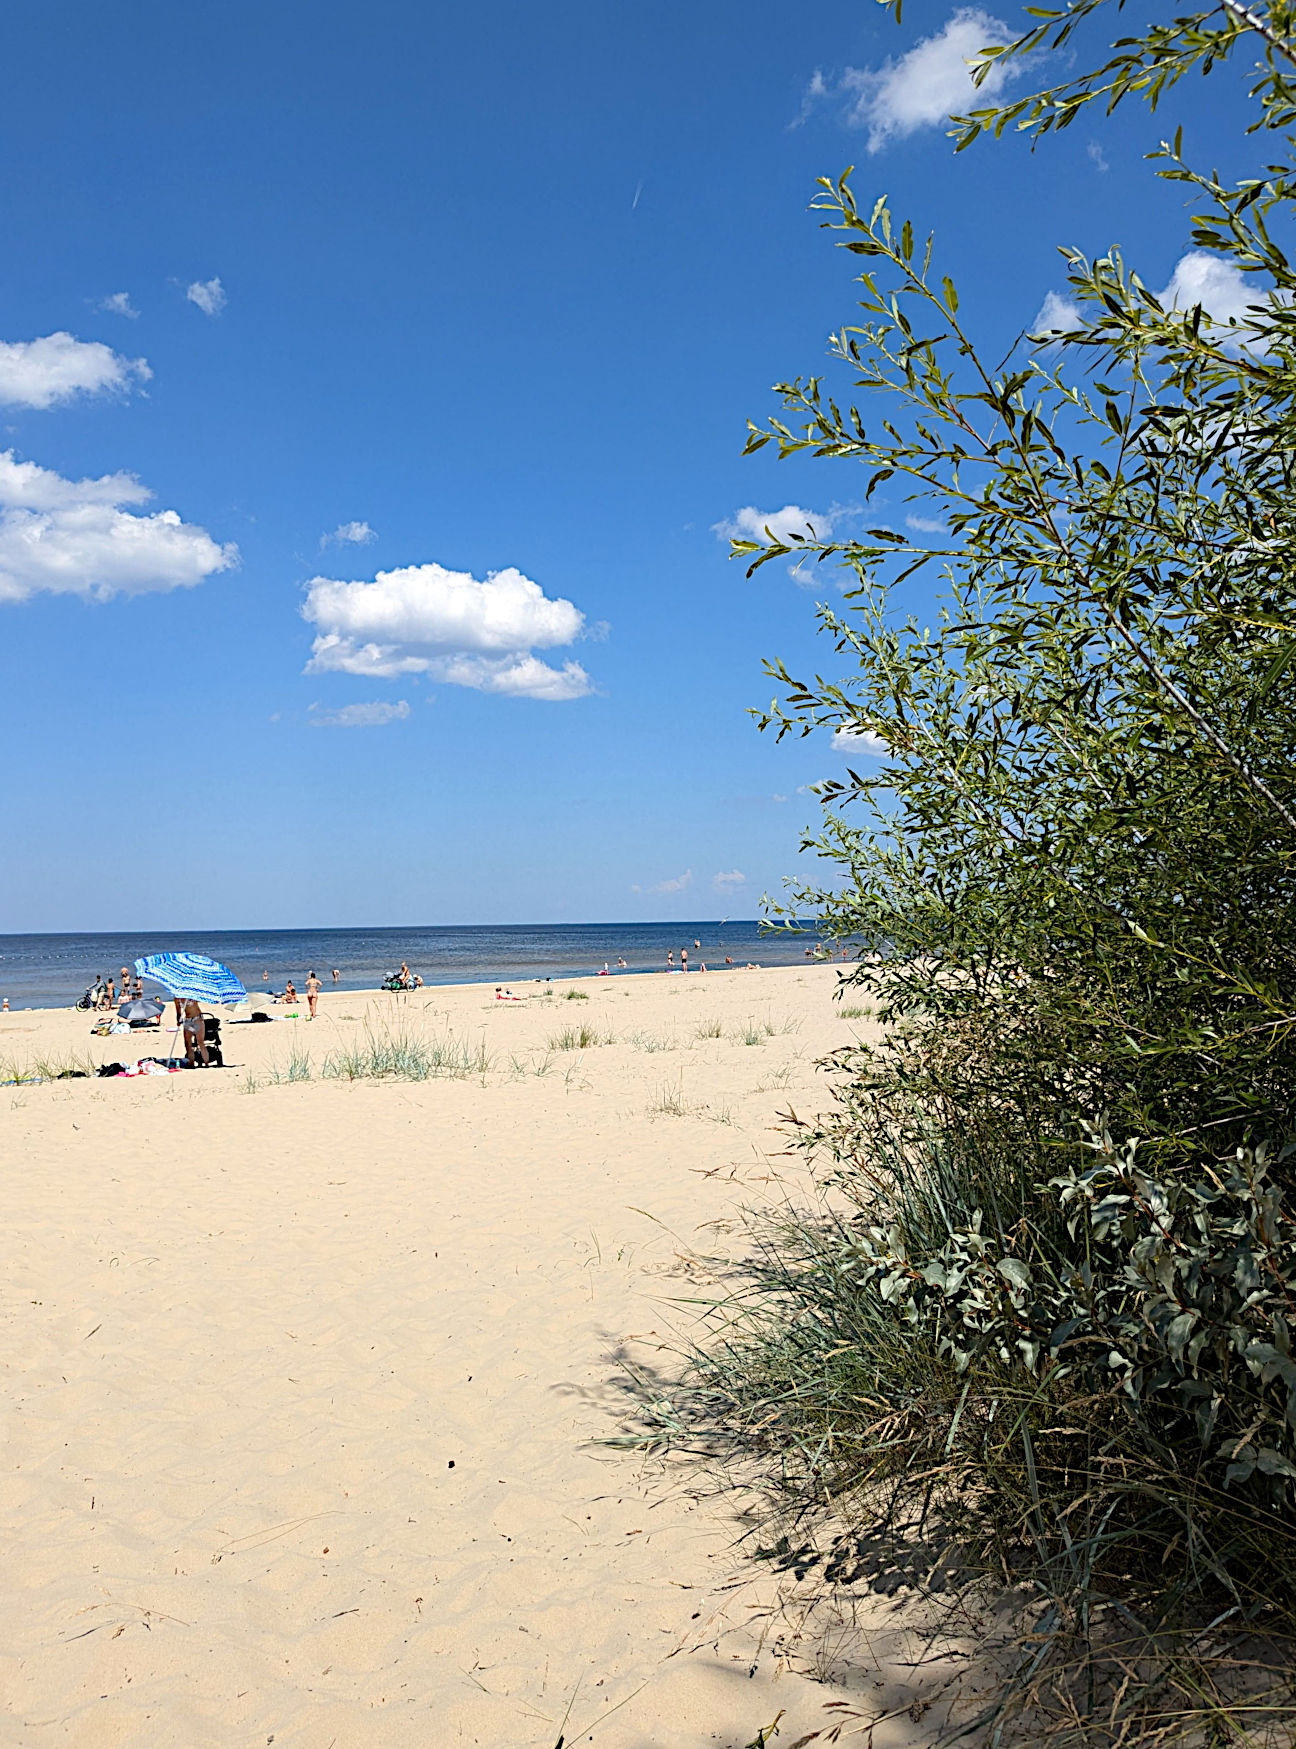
(638, 191)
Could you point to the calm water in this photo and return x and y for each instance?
(50, 971)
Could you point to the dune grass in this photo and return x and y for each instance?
(579, 1038)
(400, 1054)
(575, 996)
(34, 1070)
(650, 1042)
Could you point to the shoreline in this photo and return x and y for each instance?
(54, 971)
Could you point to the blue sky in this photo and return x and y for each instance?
(440, 326)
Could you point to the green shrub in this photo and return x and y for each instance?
(1042, 1312)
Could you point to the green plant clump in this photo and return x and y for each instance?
(1043, 1318)
(383, 1052)
(579, 1038)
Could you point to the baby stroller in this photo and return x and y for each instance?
(211, 1035)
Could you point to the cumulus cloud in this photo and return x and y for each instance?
(728, 879)
(58, 367)
(852, 741)
(350, 533)
(119, 304)
(209, 295)
(925, 87)
(759, 525)
(1057, 315)
(676, 884)
(360, 716)
(784, 525)
(1097, 157)
(423, 619)
(72, 537)
(1223, 291)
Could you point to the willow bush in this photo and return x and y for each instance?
(1044, 1313)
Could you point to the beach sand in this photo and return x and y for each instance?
(306, 1381)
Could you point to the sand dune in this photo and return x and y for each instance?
(305, 1380)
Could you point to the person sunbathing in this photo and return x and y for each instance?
(290, 994)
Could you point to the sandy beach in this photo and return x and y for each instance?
(306, 1380)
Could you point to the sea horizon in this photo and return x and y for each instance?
(52, 970)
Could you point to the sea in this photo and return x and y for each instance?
(52, 971)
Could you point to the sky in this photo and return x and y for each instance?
(373, 386)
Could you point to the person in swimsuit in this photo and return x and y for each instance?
(195, 1033)
(313, 988)
(336, 974)
(290, 992)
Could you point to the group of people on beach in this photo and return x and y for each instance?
(103, 992)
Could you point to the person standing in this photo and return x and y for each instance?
(336, 974)
(670, 959)
(195, 1033)
(313, 987)
(683, 959)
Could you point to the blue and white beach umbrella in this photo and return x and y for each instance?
(193, 974)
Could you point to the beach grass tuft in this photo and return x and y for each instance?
(854, 1012)
(575, 996)
(400, 1054)
(45, 1068)
(712, 1028)
(653, 1041)
(579, 1038)
(669, 1101)
(298, 1068)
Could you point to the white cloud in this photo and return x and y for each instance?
(354, 533)
(71, 537)
(759, 525)
(209, 295)
(1222, 290)
(57, 367)
(726, 881)
(360, 716)
(924, 87)
(815, 92)
(851, 742)
(1097, 157)
(926, 525)
(119, 304)
(423, 619)
(676, 885)
(1056, 315)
